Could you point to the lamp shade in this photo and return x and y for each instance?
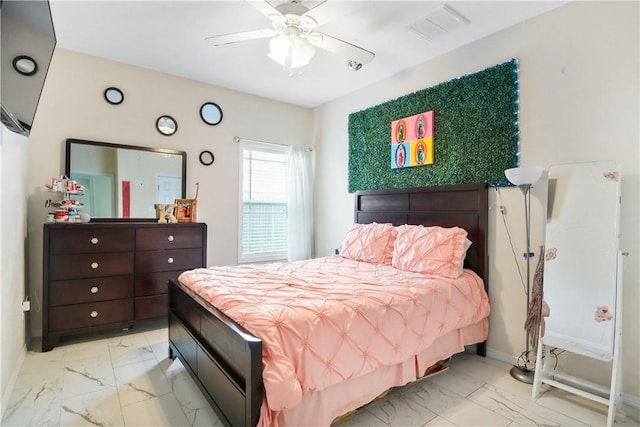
(525, 175)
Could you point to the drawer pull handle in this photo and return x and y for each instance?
(170, 260)
(170, 238)
(94, 314)
(94, 240)
(94, 265)
(94, 289)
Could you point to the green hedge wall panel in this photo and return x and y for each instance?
(475, 138)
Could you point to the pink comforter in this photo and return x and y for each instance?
(329, 319)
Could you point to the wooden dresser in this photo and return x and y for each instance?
(108, 275)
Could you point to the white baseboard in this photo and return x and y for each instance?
(627, 399)
(503, 357)
(6, 393)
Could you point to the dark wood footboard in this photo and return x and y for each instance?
(224, 360)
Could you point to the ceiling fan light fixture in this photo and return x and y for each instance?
(293, 39)
(279, 47)
(306, 50)
(291, 51)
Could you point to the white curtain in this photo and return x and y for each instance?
(300, 204)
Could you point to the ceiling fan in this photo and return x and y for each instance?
(293, 37)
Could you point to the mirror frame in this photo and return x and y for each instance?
(204, 115)
(67, 170)
(207, 158)
(109, 94)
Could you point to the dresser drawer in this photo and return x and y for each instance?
(88, 239)
(64, 292)
(90, 265)
(174, 259)
(76, 316)
(152, 306)
(154, 283)
(168, 238)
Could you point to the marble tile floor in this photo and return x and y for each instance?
(126, 379)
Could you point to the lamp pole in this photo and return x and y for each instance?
(523, 373)
(524, 177)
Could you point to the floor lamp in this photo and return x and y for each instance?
(524, 177)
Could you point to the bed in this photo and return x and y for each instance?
(226, 360)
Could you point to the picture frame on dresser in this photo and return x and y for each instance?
(185, 210)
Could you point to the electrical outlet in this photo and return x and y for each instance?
(26, 305)
(503, 209)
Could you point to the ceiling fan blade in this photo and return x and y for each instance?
(264, 7)
(319, 3)
(341, 47)
(319, 14)
(240, 37)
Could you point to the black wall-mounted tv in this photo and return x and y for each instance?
(27, 43)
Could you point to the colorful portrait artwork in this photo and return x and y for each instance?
(400, 155)
(412, 141)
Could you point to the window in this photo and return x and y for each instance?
(263, 213)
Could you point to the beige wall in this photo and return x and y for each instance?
(13, 226)
(578, 102)
(72, 106)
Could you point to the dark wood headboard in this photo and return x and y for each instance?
(462, 205)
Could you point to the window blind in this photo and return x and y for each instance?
(264, 229)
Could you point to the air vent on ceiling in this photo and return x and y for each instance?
(439, 22)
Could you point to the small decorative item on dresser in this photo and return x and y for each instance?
(185, 209)
(194, 206)
(164, 212)
(67, 209)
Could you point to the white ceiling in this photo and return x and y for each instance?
(168, 36)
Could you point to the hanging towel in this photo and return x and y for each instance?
(536, 307)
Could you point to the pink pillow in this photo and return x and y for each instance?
(430, 250)
(369, 243)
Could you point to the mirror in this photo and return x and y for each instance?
(211, 113)
(207, 158)
(166, 125)
(25, 65)
(581, 249)
(113, 95)
(125, 181)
